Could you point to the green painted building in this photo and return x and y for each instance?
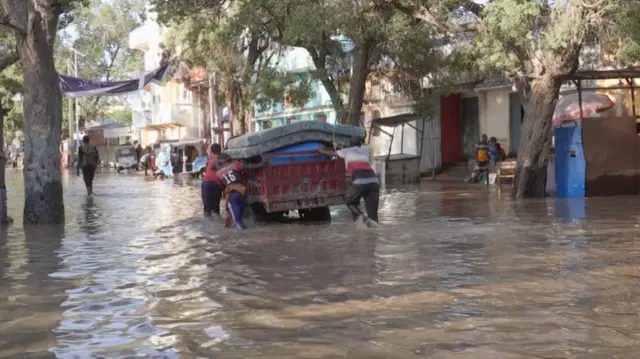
(318, 107)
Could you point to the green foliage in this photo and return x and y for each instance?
(102, 31)
(10, 85)
(626, 30)
(275, 86)
(123, 114)
(65, 10)
(239, 48)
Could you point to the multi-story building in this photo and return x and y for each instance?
(169, 112)
(318, 106)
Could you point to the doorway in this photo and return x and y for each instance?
(516, 112)
(470, 126)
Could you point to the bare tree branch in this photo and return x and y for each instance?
(14, 16)
(429, 16)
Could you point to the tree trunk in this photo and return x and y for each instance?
(319, 59)
(4, 218)
(42, 121)
(357, 85)
(237, 109)
(539, 97)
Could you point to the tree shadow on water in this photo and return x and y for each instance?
(30, 293)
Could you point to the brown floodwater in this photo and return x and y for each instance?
(453, 273)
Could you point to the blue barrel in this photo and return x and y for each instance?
(303, 157)
(571, 166)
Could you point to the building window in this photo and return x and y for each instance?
(292, 119)
(267, 125)
(321, 117)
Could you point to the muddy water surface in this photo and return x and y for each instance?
(453, 273)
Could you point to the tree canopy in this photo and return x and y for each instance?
(101, 35)
(345, 42)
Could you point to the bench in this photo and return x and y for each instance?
(506, 169)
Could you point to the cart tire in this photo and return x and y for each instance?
(304, 214)
(320, 214)
(259, 212)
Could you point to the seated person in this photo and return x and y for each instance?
(482, 160)
(496, 153)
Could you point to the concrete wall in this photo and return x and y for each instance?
(494, 114)
(612, 153)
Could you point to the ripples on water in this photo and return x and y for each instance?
(454, 273)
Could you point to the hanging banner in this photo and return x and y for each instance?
(79, 87)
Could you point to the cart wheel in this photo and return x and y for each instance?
(259, 212)
(304, 214)
(119, 169)
(320, 214)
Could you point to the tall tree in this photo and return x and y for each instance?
(345, 39)
(537, 44)
(101, 35)
(237, 43)
(8, 85)
(34, 24)
(625, 30)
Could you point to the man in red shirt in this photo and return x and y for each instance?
(212, 183)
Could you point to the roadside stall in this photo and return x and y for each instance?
(402, 167)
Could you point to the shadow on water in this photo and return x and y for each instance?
(30, 297)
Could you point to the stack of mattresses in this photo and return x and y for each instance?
(258, 143)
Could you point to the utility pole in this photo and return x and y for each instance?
(70, 117)
(75, 64)
(213, 108)
(75, 60)
(70, 107)
(4, 218)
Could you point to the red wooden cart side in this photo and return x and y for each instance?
(297, 185)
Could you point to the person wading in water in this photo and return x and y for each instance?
(212, 184)
(88, 159)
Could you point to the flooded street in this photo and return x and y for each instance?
(453, 273)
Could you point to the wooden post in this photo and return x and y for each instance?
(4, 218)
(633, 97)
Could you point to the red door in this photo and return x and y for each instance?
(450, 128)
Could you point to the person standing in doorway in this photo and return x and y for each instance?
(88, 159)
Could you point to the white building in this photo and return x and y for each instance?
(164, 113)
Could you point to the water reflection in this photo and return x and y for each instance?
(90, 220)
(30, 298)
(453, 273)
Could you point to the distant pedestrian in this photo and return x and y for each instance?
(138, 153)
(88, 159)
